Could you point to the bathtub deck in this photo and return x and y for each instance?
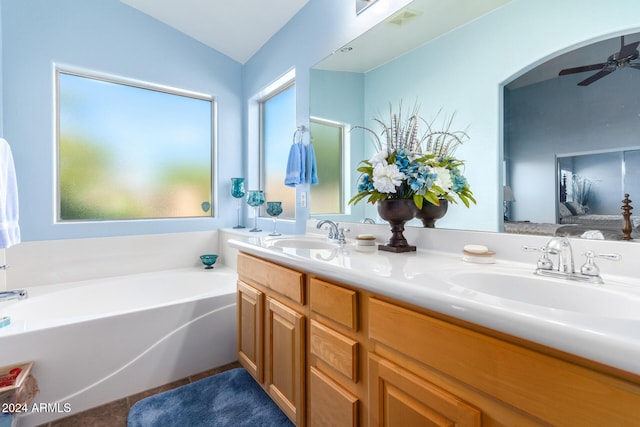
(114, 414)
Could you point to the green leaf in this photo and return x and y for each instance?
(432, 198)
(418, 199)
(355, 199)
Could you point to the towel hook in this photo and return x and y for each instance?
(299, 130)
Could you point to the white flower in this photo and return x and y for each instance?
(386, 178)
(379, 158)
(444, 180)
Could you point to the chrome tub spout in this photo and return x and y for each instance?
(16, 294)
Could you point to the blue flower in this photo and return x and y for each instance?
(459, 181)
(402, 159)
(420, 177)
(365, 183)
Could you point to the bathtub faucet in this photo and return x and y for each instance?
(17, 294)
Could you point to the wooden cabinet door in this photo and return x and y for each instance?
(285, 349)
(251, 330)
(401, 398)
(330, 404)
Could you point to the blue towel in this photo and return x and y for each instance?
(9, 229)
(295, 165)
(313, 179)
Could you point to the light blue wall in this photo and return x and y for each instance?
(461, 71)
(1, 70)
(109, 37)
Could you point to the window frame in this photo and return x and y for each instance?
(139, 84)
(272, 91)
(343, 131)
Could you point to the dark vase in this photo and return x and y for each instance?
(430, 213)
(396, 212)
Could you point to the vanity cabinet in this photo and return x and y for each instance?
(473, 372)
(271, 331)
(332, 354)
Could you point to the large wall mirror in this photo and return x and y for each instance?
(547, 117)
(570, 141)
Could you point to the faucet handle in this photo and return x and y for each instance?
(334, 232)
(341, 237)
(544, 263)
(610, 257)
(589, 268)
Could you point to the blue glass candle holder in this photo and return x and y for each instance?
(238, 192)
(273, 210)
(255, 199)
(208, 260)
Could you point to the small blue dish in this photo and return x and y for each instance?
(209, 260)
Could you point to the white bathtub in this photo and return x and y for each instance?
(96, 341)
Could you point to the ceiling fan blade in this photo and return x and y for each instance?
(635, 65)
(596, 76)
(628, 50)
(582, 69)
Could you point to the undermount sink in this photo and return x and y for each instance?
(560, 294)
(301, 243)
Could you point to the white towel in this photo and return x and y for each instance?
(9, 229)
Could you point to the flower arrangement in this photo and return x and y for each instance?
(410, 165)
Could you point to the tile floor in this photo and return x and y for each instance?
(114, 414)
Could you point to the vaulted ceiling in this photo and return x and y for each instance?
(236, 28)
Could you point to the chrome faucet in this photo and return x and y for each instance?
(333, 228)
(335, 233)
(565, 266)
(561, 246)
(17, 294)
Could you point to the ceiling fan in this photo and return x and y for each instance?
(619, 59)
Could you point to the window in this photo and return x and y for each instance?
(132, 151)
(328, 144)
(277, 128)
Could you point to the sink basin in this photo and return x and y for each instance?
(595, 300)
(301, 243)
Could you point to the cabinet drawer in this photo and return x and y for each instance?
(334, 302)
(331, 405)
(285, 281)
(336, 350)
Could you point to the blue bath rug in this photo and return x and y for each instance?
(231, 398)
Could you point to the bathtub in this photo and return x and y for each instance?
(99, 340)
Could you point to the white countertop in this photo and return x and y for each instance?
(421, 278)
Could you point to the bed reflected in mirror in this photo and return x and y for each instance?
(590, 189)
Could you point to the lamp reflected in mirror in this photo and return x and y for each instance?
(507, 198)
(361, 5)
